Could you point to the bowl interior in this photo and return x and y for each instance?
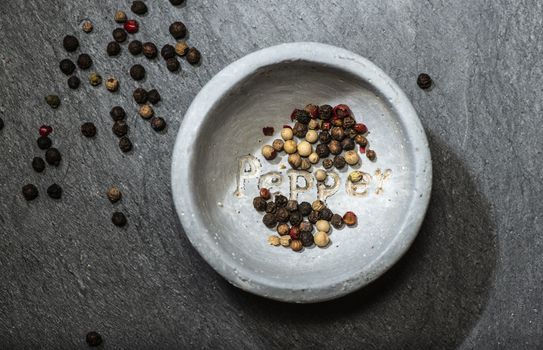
(233, 129)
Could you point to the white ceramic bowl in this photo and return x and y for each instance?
(224, 123)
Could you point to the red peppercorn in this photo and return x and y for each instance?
(362, 149)
(313, 110)
(326, 126)
(293, 115)
(265, 193)
(268, 130)
(294, 232)
(131, 26)
(45, 130)
(350, 218)
(287, 126)
(341, 111)
(360, 128)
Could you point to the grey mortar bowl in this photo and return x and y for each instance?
(217, 169)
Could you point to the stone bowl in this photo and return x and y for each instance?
(217, 169)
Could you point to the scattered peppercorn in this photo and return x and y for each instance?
(347, 144)
(351, 157)
(337, 221)
(153, 96)
(305, 208)
(120, 17)
(322, 150)
(67, 66)
(306, 164)
(371, 154)
(73, 82)
(54, 191)
(301, 116)
(45, 130)
(30, 192)
(135, 47)
(314, 124)
(114, 194)
(325, 112)
(349, 218)
(259, 203)
(265, 193)
(70, 43)
(269, 220)
(38, 164)
(296, 245)
(282, 215)
(271, 207)
(334, 147)
(278, 145)
(339, 162)
(295, 218)
(52, 100)
(193, 56)
(125, 144)
(325, 214)
(361, 140)
(323, 225)
(321, 239)
(176, 2)
(118, 219)
(294, 232)
(88, 129)
(292, 205)
(119, 35)
(181, 48)
(307, 239)
(313, 217)
(112, 84)
(158, 123)
(268, 131)
(167, 51)
(306, 226)
(178, 30)
(53, 157)
(290, 146)
(140, 96)
(44, 142)
(84, 61)
(360, 128)
(295, 160)
(355, 176)
(113, 48)
(137, 72)
(299, 130)
(172, 64)
(281, 200)
(337, 133)
(87, 26)
(424, 81)
(120, 128)
(93, 339)
(283, 229)
(150, 50)
(320, 175)
(285, 241)
(131, 26)
(117, 113)
(139, 8)
(146, 111)
(327, 163)
(318, 205)
(274, 240)
(95, 79)
(268, 152)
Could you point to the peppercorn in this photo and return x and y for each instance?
(269, 220)
(87, 26)
(135, 47)
(88, 129)
(361, 140)
(321, 239)
(113, 48)
(283, 229)
(311, 136)
(326, 126)
(273, 240)
(325, 112)
(300, 130)
(153, 96)
(38, 164)
(84, 61)
(259, 203)
(117, 113)
(339, 162)
(334, 147)
(313, 158)
(351, 157)
(337, 122)
(355, 176)
(150, 50)
(287, 134)
(176, 2)
(322, 150)
(306, 226)
(306, 164)
(118, 219)
(337, 133)
(119, 35)
(181, 48)
(348, 122)
(312, 109)
(271, 207)
(307, 239)
(193, 56)
(341, 111)
(1, 123)
(168, 51)
(158, 123)
(73, 82)
(350, 133)
(178, 30)
(295, 218)
(146, 111)
(347, 144)
(294, 232)
(95, 79)
(125, 144)
(282, 215)
(371, 154)
(290, 146)
(313, 216)
(70, 43)
(325, 214)
(112, 84)
(44, 142)
(281, 200)
(67, 66)
(137, 72)
(285, 241)
(296, 245)
(268, 152)
(278, 145)
(172, 64)
(325, 137)
(349, 218)
(337, 221)
(295, 160)
(45, 130)
(52, 156)
(313, 124)
(52, 100)
(30, 192)
(318, 205)
(304, 148)
(327, 163)
(360, 128)
(265, 193)
(54, 191)
(424, 81)
(120, 128)
(120, 17)
(139, 8)
(131, 26)
(114, 194)
(301, 116)
(320, 175)
(140, 96)
(93, 339)
(323, 225)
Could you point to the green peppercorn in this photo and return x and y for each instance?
(117, 113)
(137, 72)
(337, 221)
(153, 96)
(38, 164)
(172, 64)
(305, 208)
(70, 43)
(178, 30)
(73, 82)
(269, 220)
(325, 112)
(67, 66)
(280, 200)
(84, 61)
(327, 163)
(313, 217)
(88, 129)
(120, 128)
(118, 219)
(125, 144)
(119, 35)
(52, 100)
(150, 50)
(113, 48)
(93, 339)
(158, 124)
(140, 96)
(53, 157)
(139, 8)
(259, 203)
(54, 191)
(168, 51)
(44, 142)
(30, 192)
(135, 47)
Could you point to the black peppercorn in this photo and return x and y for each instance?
(306, 226)
(348, 122)
(271, 207)
(325, 136)
(44, 142)
(335, 147)
(113, 48)
(52, 156)
(351, 132)
(168, 51)
(337, 221)
(120, 128)
(150, 50)
(281, 200)
(172, 64)
(84, 61)
(193, 56)
(424, 81)
(1, 123)
(282, 215)
(259, 203)
(54, 191)
(325, 214)
(178, 30)
(322, 150)
(295, 218)
(313, 217)
(339, 162)
(125, 144)
(361, 140)
(158, 124)
(135, 47)
(67, 66)
(88, 129)
(118, 219)
(302, 116)
(139, 8)
(140, 96)
(153, 96)
(73, 82)
(269, 220)
(299, 130)
(93, 339)
(292, 205)
(307, 239)
(337, 133)
(119, 35)
(327, 163)
(52, 100)
(176, 2)
(137, 72)
(38, 164)
(325, 112)
(347, 144)
(117, 113)
(70, 43)
(305, 208)
(371, 154)
(30, 192)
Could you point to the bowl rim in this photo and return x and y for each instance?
(212, 93)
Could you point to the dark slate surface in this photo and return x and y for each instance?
(473, 278)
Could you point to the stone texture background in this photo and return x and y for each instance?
(473, 278)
